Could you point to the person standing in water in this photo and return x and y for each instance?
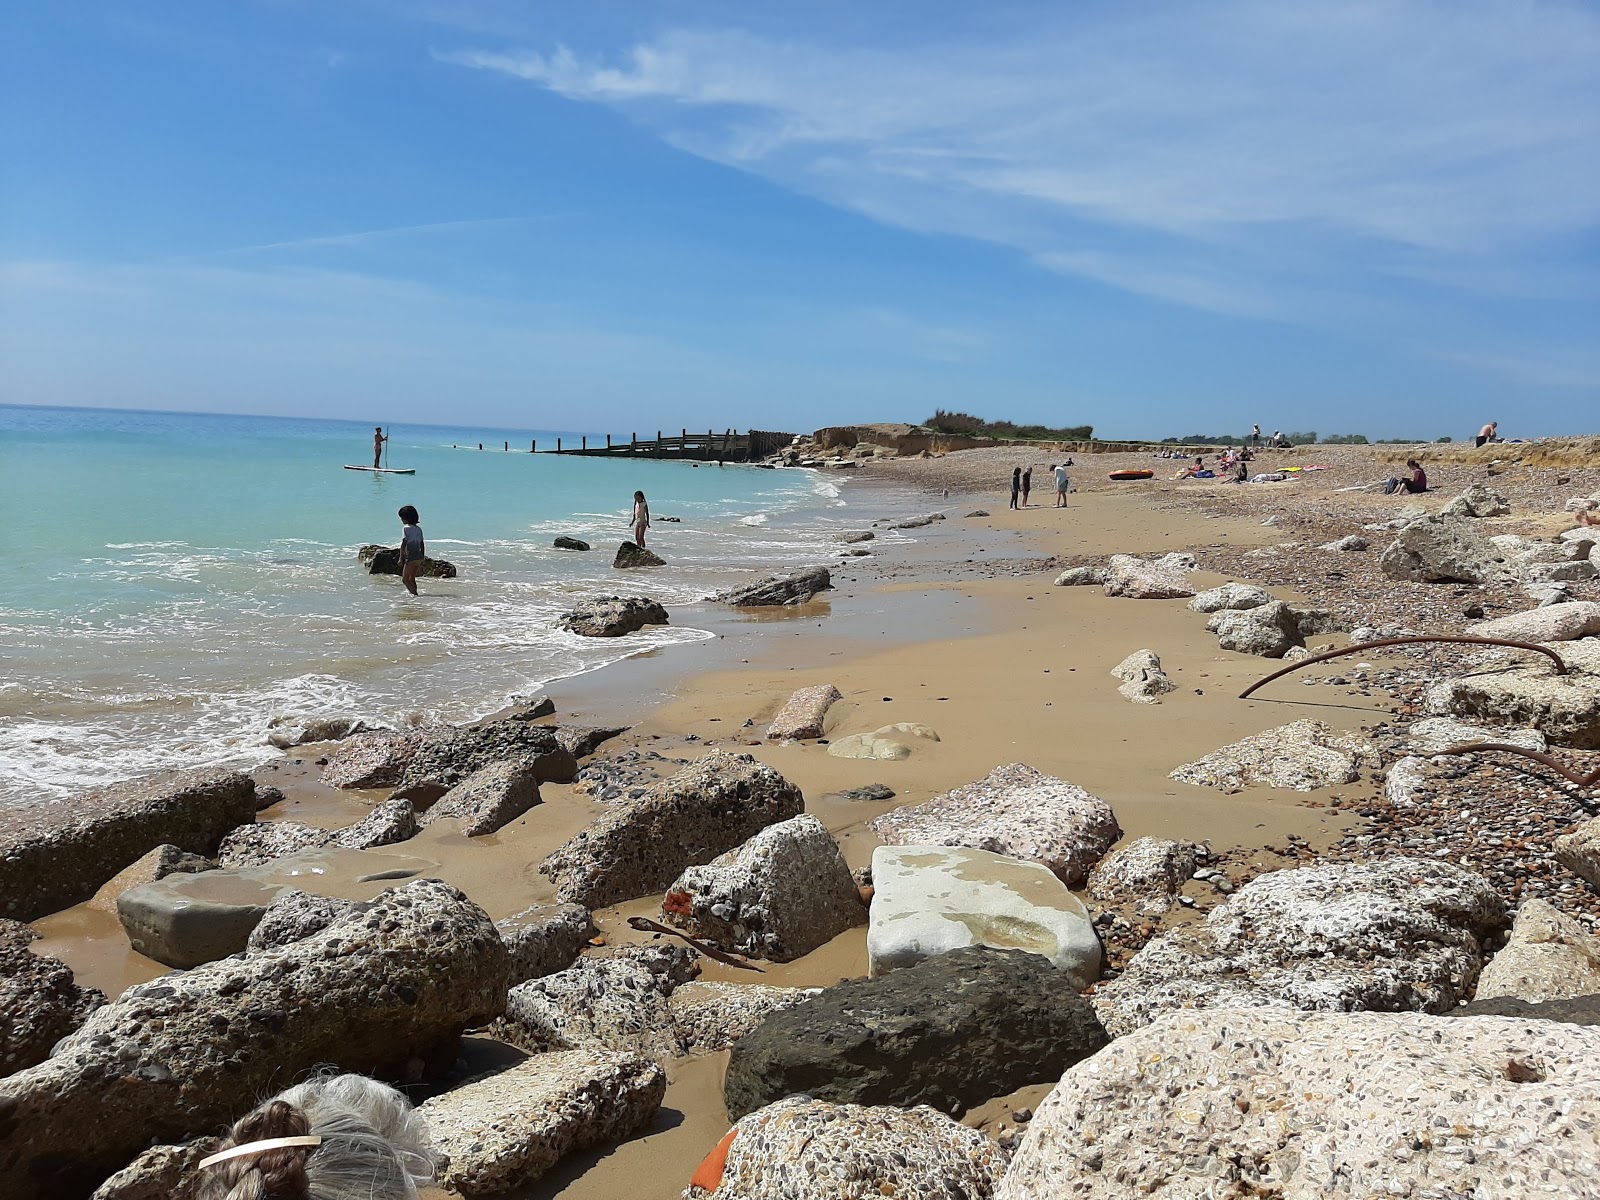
(1016, 485)
(641, 518)
(377, 446)
(412, 548)
(1027, 485)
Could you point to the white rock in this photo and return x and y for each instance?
(1565, 708)
(1433, 734)
(1081, 577)
(595, 1004)
(1549, 957)
(1579, 571)
(1014, 810)
(1401, 781)
(1149, 871)
(1440, 549)
(1231, 596)
(1559, 623)
(779, 896)
(1579, 851)
(1141, 580)
(931, 900)
(1304, 755)
(1269, 631)
(1143, 679)
(1352, 543)
(545, 938)
(1302, 1106)
(713, 1015)
(1478, 501)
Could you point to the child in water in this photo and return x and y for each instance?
(641, 518)
(412, 548)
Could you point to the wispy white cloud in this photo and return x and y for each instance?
(368, 236)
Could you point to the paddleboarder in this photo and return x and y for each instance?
(377, 446)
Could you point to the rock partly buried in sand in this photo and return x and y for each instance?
(1143, 680)
(1081, 577)
(804, 1149)
(489, 798)
(502, 1131)
(545, 938)
(370, 760)
(254, 845)
(1304, 1106)
(56, 855)
(1565, 708)
(1401, 933)
(184, 1054)
(584, 740)
(300, 730)
(1303, 755)
(1478, 501)
(804, 714)
(613, 616)
(1013, 810)
(1440, 549)
(890, 743)
(930, 900)
(158, 864)
(1268, 631)
(916, 522)
(1166, 578)
(39, 1002)
(951, 1032)
(1231, 597)
(796, 588)
(595, 1004)
(563, 542)
(779, 896)
(1579, 851)
(448, 756)
(1556, 623)
(1148, 872)
(1433, 734)
(869, 791)
(865, 535)
(713, 1016)
(388, 824)
(385, 560)
(631, 554)
(641, 846)
(1352, 543)
(1549, 956)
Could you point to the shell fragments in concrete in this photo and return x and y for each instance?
(1303, 755)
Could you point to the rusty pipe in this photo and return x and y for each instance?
(1538, 756)
(1561, 667)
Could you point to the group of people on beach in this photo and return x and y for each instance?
(1022, 484)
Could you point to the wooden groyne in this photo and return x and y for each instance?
(729, 445)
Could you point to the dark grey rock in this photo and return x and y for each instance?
(183, 1055)
(490, 797)
(951, 1032)
(448, 756)
(56, 855)
(584, 740)
(872, 791)
(385, 560)
(613, 616)
(1579, 1010)
(531, 708)
(865, 535)
(39, 1002)
(570, 543)
(287, 732)
(267, 796)
(796, 588)
(630, 554)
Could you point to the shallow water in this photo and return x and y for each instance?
(179, 580)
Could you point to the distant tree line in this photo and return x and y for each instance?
(971, 426)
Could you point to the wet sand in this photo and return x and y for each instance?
(1006, 669)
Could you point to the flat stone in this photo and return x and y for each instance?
(1557, 623)
(1231, 596)
(1433, 734)
(1140, 580)
(595, 1004)
(545, 939)
(1016, 811)
(641, 846)
(1548, 957)
(805, 1149)
(1304, 756)
(370, 760)
(795, 588)
(804, 715)
(59, 854)
(1564, 708)
(1304, 1106)
(1579, 851)
(930, 900)
(712, 1016)
(490, 797)
(779, 896)
(158, 864)
(506, 1130)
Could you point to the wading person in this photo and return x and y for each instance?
(412, 548)
(641, 518)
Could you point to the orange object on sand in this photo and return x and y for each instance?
(708, 1175)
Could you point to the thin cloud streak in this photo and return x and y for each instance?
(361, 237)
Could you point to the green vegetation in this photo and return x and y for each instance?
(971, 426)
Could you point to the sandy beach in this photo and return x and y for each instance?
(962, 630)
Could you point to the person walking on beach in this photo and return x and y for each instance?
(377, 446)
(412, 548)
(1416, 485)
(1255, 435)
(1027, 485)
(1062, 484)
(641, 518)
(1486, 434)
(1016, 485)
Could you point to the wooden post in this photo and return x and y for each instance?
(608, 441)
(533, 445)
(585, 445)
(558, 445)
(635, 440)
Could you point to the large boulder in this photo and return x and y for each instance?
(1578, 851)
(1148, 873)
(490, 797)
(370, 760)
(1442, 549)
(58, 854)
(385, 560)
(1303, 755)
(545, 939)
(706, 809)
(930, 900)
(713, 1015)
(1081, 577)
(779, 896)
(613, 616)
(161, 1173)
(1565, 708)
(803, 716)
(158, 864)
(1400, 933)
(804, 1149)
(595, 1004)
(185, 1054)
(1013, 810)
(1549, 956)
(1478, 501)
(565, 542)
(631, 554)
(1304, 1106)
(39, 1001)
(952, 1031)
(448, 756)
(795, 588)
(1141, 580)
(1580, 1010)
(508, 1129)
(1268, 630)
(1554, 623)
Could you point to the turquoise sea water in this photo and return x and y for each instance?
(175, 581)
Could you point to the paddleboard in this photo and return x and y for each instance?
(383, 470)
(1123, 475)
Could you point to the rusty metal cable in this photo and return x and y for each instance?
(1561, 667)
(1538, 756)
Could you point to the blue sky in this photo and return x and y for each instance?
(1158, 218)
